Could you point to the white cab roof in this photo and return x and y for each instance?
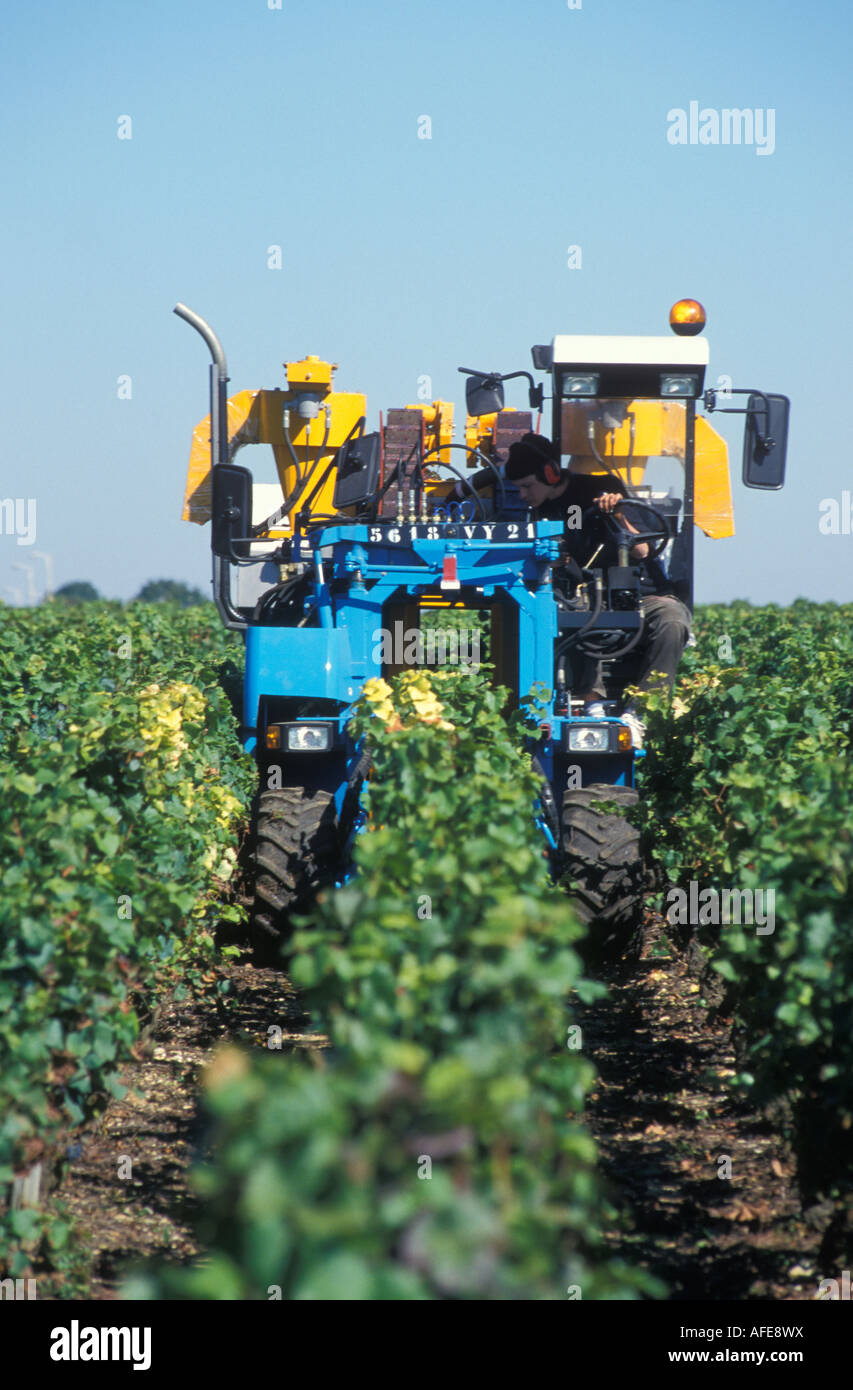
(590, 350)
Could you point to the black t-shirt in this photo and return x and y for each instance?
(583, 539)
(582, 490)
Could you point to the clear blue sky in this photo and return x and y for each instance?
(298, 126)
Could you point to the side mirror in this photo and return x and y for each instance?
(358, 471)
(232, 511)
(765, 440)
(484, 395)
(543, 356)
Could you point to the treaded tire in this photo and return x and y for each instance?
(295, 848)
(602, 857)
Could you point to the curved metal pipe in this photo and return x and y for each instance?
(230, 616)
(201, 326)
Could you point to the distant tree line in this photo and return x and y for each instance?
(155, 591)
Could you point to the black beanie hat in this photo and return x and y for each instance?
(530, 455)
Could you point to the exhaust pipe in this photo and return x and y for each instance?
(218, 451)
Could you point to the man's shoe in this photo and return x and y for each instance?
(637, 727)
(594, 709)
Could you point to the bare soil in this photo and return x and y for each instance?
(663, 1114)
(124, 1220)
(704, 1182)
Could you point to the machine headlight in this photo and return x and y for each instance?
(673, 385)
(309, 738)
(590, 738)
(580, 383)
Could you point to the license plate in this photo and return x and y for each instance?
(485, 531)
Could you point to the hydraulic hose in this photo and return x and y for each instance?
(466, 483)
(469, 482)
(602, 654)
(590, 434)
(327, 431)
(572, 638)
(290, 449)
(302, 481)
(588, 647)
(271, 597)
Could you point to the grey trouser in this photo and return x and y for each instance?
(665, 633)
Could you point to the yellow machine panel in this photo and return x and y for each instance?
(438, 430)
(479, 433)
(304, 441)
(655, 429)
(198, 499)
(258, 417)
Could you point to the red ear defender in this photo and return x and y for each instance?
(533, 454)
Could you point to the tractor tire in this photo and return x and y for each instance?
(294, 853)
(603, 862)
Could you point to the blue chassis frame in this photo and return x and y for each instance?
(334, 660)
